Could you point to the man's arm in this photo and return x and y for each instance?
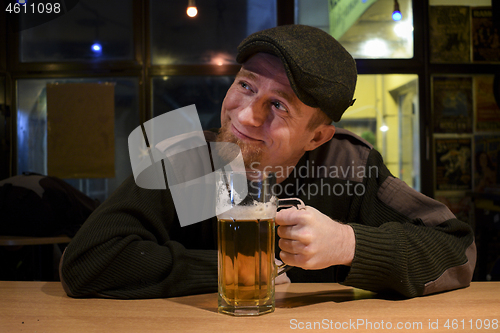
(404, 241)
(125, 250)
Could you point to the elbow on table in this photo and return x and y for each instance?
(455, 277)
(72, 287)
(63, 270)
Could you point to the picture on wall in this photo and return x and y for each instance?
(487, 110)
(486, 159)
(452, 104)
(485, 36)
(449, 34)
(453, 164)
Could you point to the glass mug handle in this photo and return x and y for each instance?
(287, 203)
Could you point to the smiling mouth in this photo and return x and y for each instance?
(242, 136)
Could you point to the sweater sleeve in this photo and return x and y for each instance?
(125, 250)
(405, 241)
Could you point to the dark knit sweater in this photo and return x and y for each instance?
(132, 246)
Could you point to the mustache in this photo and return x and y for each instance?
(251, 153)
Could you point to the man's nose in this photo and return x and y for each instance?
(254, 114)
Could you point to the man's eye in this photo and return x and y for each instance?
(279, 106)
(244, 85)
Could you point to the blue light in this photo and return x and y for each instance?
(96, 47)
(396, 15)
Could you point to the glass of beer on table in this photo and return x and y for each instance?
(246, 209)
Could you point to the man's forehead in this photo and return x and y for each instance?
(266, 65)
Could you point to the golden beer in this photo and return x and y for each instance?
(246, 208)
(246, 266)
(246, 211)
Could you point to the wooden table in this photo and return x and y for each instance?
(44, 307)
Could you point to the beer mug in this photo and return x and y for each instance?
(246, 209)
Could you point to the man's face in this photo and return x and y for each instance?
(262, 114)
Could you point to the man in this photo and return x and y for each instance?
(364, 227)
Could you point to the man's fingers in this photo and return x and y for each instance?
(296, 233)
(289, 258)
(290, 246)
(298, 260)
(289, 216)
(285, 231)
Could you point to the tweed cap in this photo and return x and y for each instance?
(321, 72)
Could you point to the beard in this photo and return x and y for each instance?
(252, 153)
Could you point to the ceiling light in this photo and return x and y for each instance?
(192, 11)
(396, 14)
(96, 48)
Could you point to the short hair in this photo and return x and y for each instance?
(318, 118)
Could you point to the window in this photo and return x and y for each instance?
(191, 61)
(386, 114)
(206, 92)
(92, 30)
(386, 111)
(366, 28)
(209, 38)
(32, 130)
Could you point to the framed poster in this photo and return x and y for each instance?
(487, 116)
(452, 104)
(486, 159)
(453, 164)
(485, 37)
(449, 34)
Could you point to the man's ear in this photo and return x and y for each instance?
(322, 134)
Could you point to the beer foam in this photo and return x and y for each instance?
(227, 205)
(256, 210)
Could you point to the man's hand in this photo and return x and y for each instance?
(312, 240)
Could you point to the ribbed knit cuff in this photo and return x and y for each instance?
(378, 259)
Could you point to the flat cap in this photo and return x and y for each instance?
(320, 70)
